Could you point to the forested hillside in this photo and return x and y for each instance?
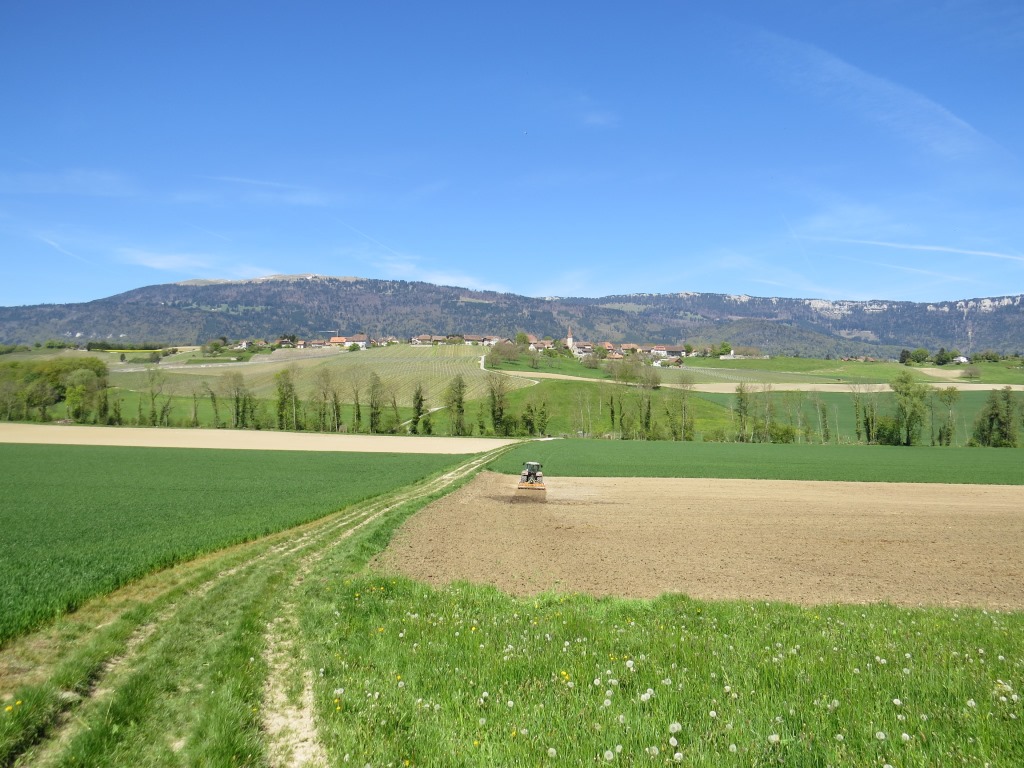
(314, 306)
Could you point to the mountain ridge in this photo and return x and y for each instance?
(312, 305)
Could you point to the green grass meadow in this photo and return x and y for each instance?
(404, 674)
(79, 521)
(466, 675)
(400, 367)
(767, 461)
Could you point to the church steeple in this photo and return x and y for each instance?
(568, 339)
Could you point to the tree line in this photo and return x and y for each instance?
(902, 418)
(358, 400)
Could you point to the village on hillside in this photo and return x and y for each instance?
(604, 349)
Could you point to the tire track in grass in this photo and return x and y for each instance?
(289, 721)
(192, 590)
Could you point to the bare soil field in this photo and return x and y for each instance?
(240, 439)
(802, 542)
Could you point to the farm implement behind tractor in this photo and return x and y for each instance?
(531, 483)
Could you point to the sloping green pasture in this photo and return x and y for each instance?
(584, 406)
(400, 367)
(79, 521)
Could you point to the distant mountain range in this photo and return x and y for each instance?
(314, 306)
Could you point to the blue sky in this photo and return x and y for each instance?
(862, 149)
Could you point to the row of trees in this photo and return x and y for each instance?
(946, 356)
(359, 401)
(911, 408)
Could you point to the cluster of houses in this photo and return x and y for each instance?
(360, 340)
(581, 349)
(606, 349)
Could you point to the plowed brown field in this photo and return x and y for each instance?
(801, 542)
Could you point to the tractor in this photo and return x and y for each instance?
(531, 483)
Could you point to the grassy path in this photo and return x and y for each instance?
(187, 666)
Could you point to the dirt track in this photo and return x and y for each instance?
(802, 542)
(244, 439)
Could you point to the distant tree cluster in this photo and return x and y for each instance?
(34, 390)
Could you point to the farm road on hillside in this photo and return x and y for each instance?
(802, 542)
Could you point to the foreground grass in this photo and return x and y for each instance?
(766, 461)
(406, 674)
(80, 520)
(469, 676)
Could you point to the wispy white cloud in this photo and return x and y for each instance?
(172, 262)
(920, 247)
(600, 117)
(210, 232)
(244, 271)
(590, 112)
(394, 265)
(847, 219)
(415, 268)
(252, 182)
(82, 182)
(912, 115)
(259, 191)
(195, 264)
(60, 249)
(910, 270)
